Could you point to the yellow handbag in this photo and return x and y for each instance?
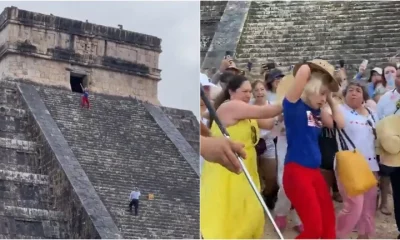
(352, 169)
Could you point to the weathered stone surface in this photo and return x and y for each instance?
(288, 32)
(210, 15)
(25, 210)
(187, 124)
(175, 136)
(71, 190)
(120, 146)
(48, 49)
(227, 35)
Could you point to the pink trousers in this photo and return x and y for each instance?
(357, 213)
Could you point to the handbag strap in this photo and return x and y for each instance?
(342, 142)
(347, 137)
(372, 115)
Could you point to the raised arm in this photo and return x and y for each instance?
(300, 81)
(241, 110)
(328, 118)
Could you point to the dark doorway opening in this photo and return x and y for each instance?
(76, 82)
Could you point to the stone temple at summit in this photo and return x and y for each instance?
(67, 171)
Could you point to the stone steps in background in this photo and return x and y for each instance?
(211, 12)
(24, 207)
(288, 32)
(120, 147)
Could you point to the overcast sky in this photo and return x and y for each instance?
(176, 23)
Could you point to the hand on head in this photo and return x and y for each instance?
(222, 151)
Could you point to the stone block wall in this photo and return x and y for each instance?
(67, 45)
(55, 73)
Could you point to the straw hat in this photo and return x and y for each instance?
(324, 66)
(388, 140)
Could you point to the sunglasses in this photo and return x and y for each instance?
(254, 134)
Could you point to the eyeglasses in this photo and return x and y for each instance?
(253, 134)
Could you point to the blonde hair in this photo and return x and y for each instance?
(318, 81)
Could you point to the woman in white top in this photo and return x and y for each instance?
(267, 160)
(359, 212)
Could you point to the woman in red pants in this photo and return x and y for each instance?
(302, 179)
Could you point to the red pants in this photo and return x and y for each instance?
(308, 192)
(85, 100)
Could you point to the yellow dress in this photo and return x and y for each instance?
(228, 206)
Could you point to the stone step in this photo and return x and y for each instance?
(20, 145)
(9, 96)
(311, 32)
(333, 25)
(31, 213)
(286, 62)
(20, 236)
(389, 37)
(321, 37)
(384, 55)
(11, 111)
(365, 52)
(24, 203)
(329, 6)
(358, 20)
(23, 177)
(327, 48)
(15, 128)
(116, 160)
(318, 41)
(13, 160)
(33, 223)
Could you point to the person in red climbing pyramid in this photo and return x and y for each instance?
(85, 97)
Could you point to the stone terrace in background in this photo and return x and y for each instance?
(288, 32)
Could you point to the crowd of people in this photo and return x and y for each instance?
(289, 128)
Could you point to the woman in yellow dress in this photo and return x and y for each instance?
(228, 206)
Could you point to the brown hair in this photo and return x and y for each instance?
(357, 84)
(384, 81)
(233, 84)
(256, 82)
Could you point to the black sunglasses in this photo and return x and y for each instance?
(253, 134)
